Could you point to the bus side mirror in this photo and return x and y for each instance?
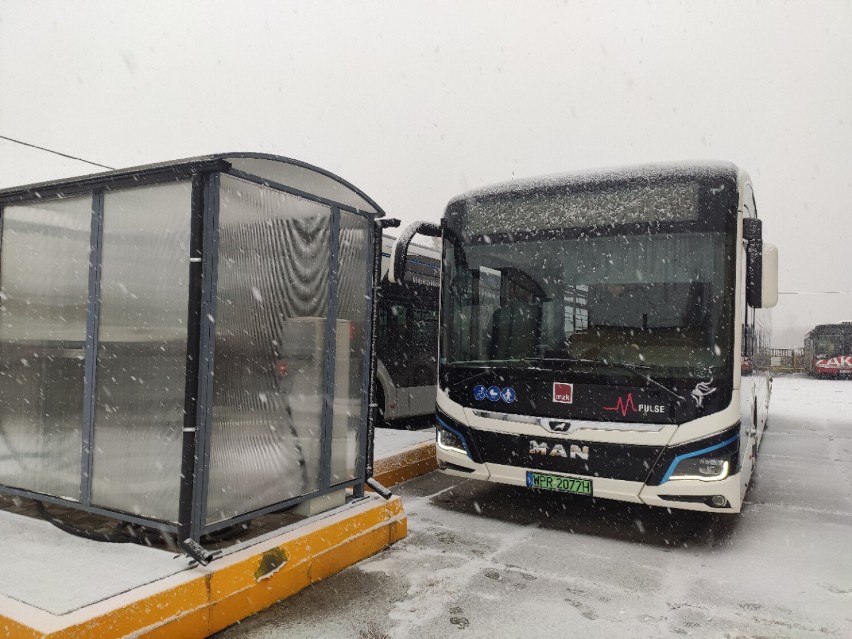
(761, 266)
(769, 276)
(399, 252)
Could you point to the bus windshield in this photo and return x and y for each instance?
(659, 301)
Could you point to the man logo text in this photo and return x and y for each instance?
(558, 450)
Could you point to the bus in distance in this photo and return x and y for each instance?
(828, 350)
(592, 334)
(407, 336)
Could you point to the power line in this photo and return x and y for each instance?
(65, 155)
(815, 293)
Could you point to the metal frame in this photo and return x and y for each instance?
(330, 363)
(373, 409)
(154, 524)
(114, 180)
(209, 280)
(373, 278)
(93, 306)
(195, 312)
(204, 174)
(278, 506)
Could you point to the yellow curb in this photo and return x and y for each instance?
(11, 628)
(204, 600)
(406, 464)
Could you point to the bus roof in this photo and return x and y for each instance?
(840, 327)
(607, 176)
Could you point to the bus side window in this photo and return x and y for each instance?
(391, 326)
(381, 324)
(397, 322)
(425, 327)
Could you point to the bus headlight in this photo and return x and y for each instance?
(710, 463)
(451, 440)
(702, 468)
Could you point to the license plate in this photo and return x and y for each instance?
(545, 481)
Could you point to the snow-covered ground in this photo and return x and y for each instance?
(491, 561)
(39, 561)
(47, 568)
(390, 440)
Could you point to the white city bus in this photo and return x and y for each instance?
(593, 328)
(407, 336)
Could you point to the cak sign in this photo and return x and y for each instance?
(843, 362)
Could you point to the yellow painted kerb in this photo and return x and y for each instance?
(204, 600)
(406, 464)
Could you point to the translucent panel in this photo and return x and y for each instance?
(304, 179)
(44, 274)
(272, 297)
(348, 425)
(141, 366)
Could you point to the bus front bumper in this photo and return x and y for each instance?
(723, 496)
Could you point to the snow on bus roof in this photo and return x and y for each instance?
(612, 175)
(427, 243)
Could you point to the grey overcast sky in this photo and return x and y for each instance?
(417, 101)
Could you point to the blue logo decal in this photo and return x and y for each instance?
(494, 393)
(479, 392)
(508, 395)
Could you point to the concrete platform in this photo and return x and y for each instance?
(55, 585)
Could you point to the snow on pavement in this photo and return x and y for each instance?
(389, 440)
(50, 569)
(485, 560)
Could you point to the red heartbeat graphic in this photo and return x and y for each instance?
(623, 405)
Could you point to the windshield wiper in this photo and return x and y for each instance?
(567, 360)
(647, 378)
(634, 368)
(489, 367)
(481, 373)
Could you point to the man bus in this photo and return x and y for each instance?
(592, 330)
(828, 350)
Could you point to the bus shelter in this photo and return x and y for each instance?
(187, 345)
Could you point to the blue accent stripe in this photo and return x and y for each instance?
(456, 433)
(680, 458)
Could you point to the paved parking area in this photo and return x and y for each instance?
(492, 561)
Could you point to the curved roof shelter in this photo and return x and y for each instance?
(187, 345)
(264, 167)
